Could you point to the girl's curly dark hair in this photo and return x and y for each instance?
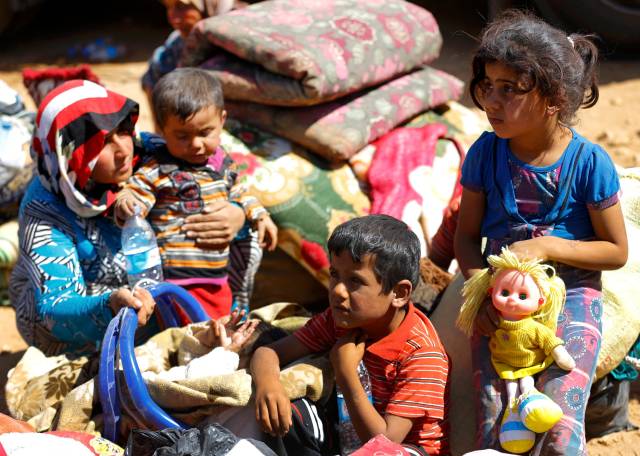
(562, 67)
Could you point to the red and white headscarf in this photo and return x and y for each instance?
(71, 126)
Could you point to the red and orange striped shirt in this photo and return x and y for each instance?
(408, 370)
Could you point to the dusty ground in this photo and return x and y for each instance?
(614, 122)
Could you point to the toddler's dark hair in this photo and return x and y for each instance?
(561, 67)
(395, 247)
(183, 92)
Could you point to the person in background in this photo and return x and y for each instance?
(537, 185)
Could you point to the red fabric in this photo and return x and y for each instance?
(398, 153)
(381, 446)
(62, 73)
(314, 255)
(40, 82)
(216, 300)
(408, 370)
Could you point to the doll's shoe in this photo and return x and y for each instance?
(538, 412)
(514, 435)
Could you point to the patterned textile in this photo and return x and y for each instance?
(338, 129)
(69, 261)
(72, 124)
(306, 197)
(437, 184)
(244, 260)
(399, 155)
(66, 271)
(303, 52)
(40, 387)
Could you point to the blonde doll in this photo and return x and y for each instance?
(528, 296)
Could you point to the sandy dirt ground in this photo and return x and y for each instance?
(614, 122)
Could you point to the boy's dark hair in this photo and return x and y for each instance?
(561, 67)
(183, 92)
(395, 247)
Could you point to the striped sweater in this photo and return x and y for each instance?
(171, 190)
(408, 370)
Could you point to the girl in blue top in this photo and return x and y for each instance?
(537, 185)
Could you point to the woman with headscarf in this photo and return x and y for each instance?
(69, 280)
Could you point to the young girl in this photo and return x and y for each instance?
(537, 185)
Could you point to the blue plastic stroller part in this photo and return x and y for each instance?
(166, 294)
(107, 387)
(119, 342)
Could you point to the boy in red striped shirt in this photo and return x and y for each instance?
(374, 268)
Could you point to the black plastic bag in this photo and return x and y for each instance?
(213, 440)
(608, 408)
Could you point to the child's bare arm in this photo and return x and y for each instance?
(467, 237)
(125, 205)
(345, 357)
(608, 251)
(267, 232)
(273, 407)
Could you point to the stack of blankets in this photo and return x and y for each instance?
(311, 84)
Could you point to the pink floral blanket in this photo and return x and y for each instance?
(304, 52)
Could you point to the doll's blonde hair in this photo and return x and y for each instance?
(476, 288)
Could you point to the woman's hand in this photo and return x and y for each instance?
(216, 226)
(139, 300)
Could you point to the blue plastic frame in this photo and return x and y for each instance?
(119, 342)
(107, 388)
(153, 415)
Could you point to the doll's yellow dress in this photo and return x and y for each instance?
(522, 348)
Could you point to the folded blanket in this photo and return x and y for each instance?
(338, 129)
(306, 196)
(303, 52)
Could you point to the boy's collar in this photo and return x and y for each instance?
(392, 344)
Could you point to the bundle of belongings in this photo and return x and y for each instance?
(16, 125)
(335, 113)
